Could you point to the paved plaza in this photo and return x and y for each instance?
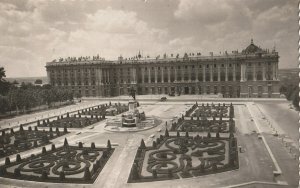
(266, 132)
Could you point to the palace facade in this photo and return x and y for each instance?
(253, 72)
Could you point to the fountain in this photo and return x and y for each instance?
(134, 120)
(133, 116)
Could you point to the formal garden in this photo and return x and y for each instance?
(184, 156)
(66, 164)
(210, 110)
(13, 142)
(181, 155)
(107, 109)
(70, 121)
(203, 125)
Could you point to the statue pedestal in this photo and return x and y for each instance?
(133, 117)
(132, 104)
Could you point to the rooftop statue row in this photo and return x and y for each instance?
(251, 49)
(81, 58)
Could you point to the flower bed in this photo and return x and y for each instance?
(22, 140)
(75, 121)
(67, 164)
(173, 157)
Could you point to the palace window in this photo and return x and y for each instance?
(259, 75)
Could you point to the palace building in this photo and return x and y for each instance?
(253, 72)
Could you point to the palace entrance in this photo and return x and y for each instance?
(186, 90)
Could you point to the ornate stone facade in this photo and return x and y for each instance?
(250, 73)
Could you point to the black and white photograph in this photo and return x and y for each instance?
(149, 93)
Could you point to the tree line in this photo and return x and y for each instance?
(28, 96)
(291, 92)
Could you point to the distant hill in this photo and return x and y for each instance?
(28, 79)
(289, 76)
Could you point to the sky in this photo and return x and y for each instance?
(34, 32)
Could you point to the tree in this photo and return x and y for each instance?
(4, 104)
(78, 95)
(15, 82)
(4, 85)
(2, 74)
(38, 81)
(295, 98)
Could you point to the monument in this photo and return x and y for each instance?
(134, 120)
(133, 116)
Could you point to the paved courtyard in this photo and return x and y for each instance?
(262, 156)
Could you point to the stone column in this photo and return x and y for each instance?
(97, 76)
(219, 73)
(254, 72)
(143, 75)
(197, 73)
(182, 74)
(233, 72)
(155, 74)
(169, 74)
(276, 71)
(190, 73)
(89, 77)
(100, 76)
(108, 80)
(242, 73)
(149, 76)
(162, 75)
(134, 75)
(226, 72)
(264, 71)
(203, 74)
(175, 70)
(104, 76)
(211, 73)
(273, 71)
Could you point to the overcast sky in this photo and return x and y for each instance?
(34, 32)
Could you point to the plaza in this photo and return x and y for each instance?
(265, 132)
